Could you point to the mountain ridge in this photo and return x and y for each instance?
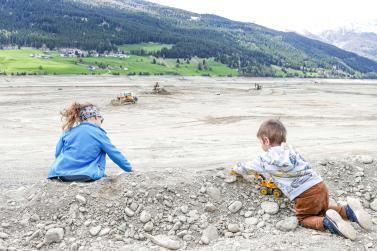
(359, 42)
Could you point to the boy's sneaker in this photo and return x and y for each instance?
(356, 213)
(335, 224)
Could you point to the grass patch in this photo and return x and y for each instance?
(20, 61)
(147, 47)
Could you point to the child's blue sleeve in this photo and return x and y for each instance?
(115, 155)
(59, 146)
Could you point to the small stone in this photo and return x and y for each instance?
(184, 209)
(87, 223)
(134, 206)
(164, 241)
(287, 224)
(266, 217)
(145, 216)
(209, 234)
(322, 162)
(148, 226)
(248, 214)
(373, 205)
(214, 193)
(129, 212)
(369, 245)
(34, 218)
(81, 199)
(188, 237)
(235, 206)
(220, 174)
(54, 235)
(230, 179)
(74, 247)
(129, 194)
(228, 234)
(182, 218)
(167, 203)
(205, 240)
(261, 224)
(367, 196)
(210, 207)
(270, 207)
(39, 245)
(251, 221)
(3, 235)
(365, 159)
(202, 190)
(95, 230)
(104, 231)
(182, 233)
(234, 228)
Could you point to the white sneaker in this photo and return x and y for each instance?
(335, 224)
(356, 213)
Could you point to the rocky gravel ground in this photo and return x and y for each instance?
(178, 211)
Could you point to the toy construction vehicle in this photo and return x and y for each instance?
(124, 99)
(268, 186)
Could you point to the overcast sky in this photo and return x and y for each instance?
(292, 15)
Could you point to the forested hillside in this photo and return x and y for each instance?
(106, 25)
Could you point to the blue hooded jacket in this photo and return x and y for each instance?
(82, 151)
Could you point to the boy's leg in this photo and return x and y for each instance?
(311, 206)
(340, 210)
(313, 222)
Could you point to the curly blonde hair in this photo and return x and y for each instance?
(71, 115)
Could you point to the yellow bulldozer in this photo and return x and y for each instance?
(124, 98)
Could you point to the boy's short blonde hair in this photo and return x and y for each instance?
(274, 130)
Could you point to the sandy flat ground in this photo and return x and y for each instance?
(205, 123)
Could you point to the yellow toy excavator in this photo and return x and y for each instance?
(268, 186)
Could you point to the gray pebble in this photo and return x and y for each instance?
(270, 207)
(234, 228)
(145, 216)
(54, 235)
(235, 206)
(95, 230)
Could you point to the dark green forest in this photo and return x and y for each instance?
(103, 26)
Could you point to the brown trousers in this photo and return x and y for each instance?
(311, 206)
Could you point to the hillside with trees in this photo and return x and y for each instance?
(106, 25)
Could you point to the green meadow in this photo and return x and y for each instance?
(147, 47)
(20, 62)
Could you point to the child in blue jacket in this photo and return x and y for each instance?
(82, 148)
